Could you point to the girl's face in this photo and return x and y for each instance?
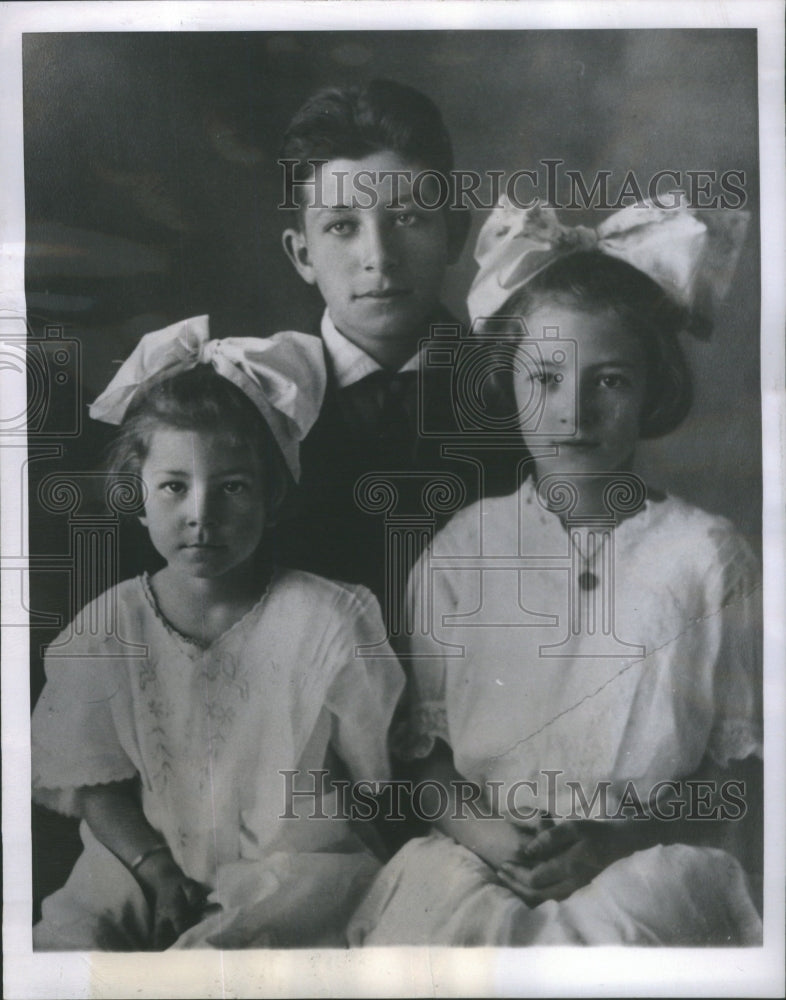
(590, 409)
(205, 507)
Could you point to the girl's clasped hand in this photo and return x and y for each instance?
(177, 902)
(564, 857)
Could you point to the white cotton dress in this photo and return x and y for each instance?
(520, 681)
(209, 731)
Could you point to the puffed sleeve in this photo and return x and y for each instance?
(365, 691)
(428, 596)
(737, 696)
(74, 736)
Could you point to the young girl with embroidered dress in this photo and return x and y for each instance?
(594, 645)
(168, 732)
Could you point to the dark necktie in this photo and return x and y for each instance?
(384, 407)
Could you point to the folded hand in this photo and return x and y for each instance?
(565, 857)
(179, 903)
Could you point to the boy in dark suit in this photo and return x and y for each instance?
(362, 167)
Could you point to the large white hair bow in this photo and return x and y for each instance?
(283, 375)
(691, 254)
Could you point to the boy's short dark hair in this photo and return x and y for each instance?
(597, 281)
(353, 122)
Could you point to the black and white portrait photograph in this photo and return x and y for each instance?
(392, 499)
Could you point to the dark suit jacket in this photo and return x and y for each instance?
(345, 525)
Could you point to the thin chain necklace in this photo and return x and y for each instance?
(586, 545)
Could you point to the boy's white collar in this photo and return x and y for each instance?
(350, 362)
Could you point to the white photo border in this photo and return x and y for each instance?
(391, 971)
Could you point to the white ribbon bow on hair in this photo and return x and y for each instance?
(284, 376)
(691, 255)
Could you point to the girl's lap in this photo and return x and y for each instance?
(100, 907)
(436, 891)
(289, 900)
(279, 900)
(669, 895)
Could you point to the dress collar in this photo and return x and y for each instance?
(551, 525)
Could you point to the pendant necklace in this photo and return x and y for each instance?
(588, 580)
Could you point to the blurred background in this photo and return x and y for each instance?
(151, 189)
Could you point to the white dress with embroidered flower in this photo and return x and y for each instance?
(519, 683)
(209, 732)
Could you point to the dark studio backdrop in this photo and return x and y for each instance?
(151, 188)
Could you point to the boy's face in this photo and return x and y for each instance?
(377, 258)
